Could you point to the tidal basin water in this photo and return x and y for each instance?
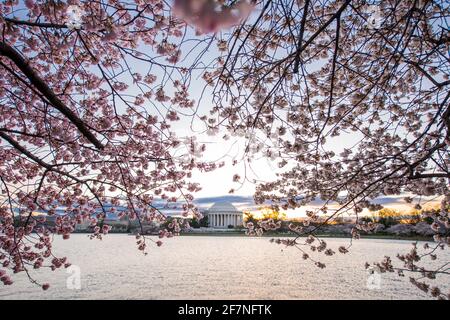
(214, 267)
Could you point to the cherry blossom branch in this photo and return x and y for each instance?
(8, 51)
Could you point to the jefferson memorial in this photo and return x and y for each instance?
(224, 214)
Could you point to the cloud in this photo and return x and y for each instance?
(239, 201)
(389, 200)
(246, 203)
(227, 198)
(203, 203)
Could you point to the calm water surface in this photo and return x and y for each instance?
(208, 267)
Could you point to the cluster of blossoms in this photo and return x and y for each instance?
(252, 229)
(313, 243)
(261, 226)
(418, 261)
(5, 278)
(212, 15)
(175, 226)
(355, 101)
(366, 226)
(269, 224)
(86, 121)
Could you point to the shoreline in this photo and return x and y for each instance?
(287, 235)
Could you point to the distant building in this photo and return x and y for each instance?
(224, 214)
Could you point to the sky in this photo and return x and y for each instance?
(216, 184)
(246, 204)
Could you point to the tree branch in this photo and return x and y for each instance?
(36, 24)
(300, 37)
(321, 29)
(9, 52)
